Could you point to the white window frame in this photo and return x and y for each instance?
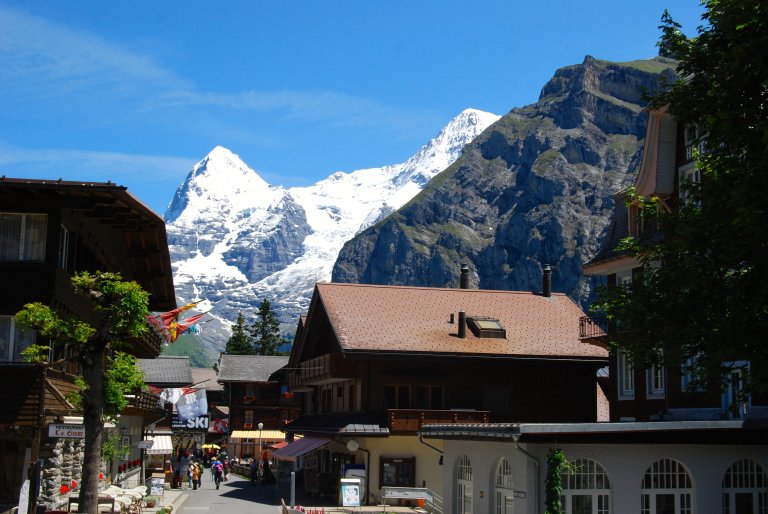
(687, 377)
(625, 376)
(504, 494)
(589, 479)
(729, 395)
(667, 477)
(688, 174)
(745, 477)
(24, 236)
(655, 379)
(463, 478)
(16, 337)
(63, 247)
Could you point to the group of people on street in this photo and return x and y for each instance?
(192, 467)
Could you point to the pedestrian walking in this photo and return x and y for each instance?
(195, 470)
(217, 469)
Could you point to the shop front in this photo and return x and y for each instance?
(319, 465)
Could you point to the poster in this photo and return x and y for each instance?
(350, 492)
(157, 486)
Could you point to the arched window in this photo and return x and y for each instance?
(463, 486)
(667, 489)
(745, 488)
(504, 485)
(586, 489)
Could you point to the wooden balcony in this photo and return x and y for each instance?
(145, 404)
(593, 330)
(409, 421)
(326, 369)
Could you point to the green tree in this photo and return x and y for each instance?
(239, 343)
(265, 331)
(120, 310)
(703, 298)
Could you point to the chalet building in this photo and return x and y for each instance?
(218, 408)
(661, 392)
(373, 364)
(167, 372)
(259, 407)
(48, 231)
(668, 448)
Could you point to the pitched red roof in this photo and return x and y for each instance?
(377, 318)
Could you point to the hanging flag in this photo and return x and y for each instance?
(171, 394)
(176, 328)
(164, 319)
(192, 403)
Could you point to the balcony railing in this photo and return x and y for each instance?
(593, 328)
(411, 420)
(143, 403)
(326, 369)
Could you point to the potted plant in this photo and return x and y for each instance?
(151, 501)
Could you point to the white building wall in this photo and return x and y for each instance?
(429, 472)
(625, 465)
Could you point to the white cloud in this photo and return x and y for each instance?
(50, 67)
(93, 165)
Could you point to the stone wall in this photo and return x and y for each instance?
(62, 462)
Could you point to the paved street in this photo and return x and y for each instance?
(234, 497)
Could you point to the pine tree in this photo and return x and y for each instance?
(265, 331)
(239, 343)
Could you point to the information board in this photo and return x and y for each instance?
(157, 485)
(350, 492)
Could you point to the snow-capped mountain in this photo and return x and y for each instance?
(235, 240)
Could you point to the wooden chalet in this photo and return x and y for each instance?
(372, 364)
(48, 231)
(259, 407)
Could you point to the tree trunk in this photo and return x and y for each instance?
(93, 419)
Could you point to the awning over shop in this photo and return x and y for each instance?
(301, 447)
(162, 444)
(266, 435)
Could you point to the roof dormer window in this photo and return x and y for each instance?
(482, 326)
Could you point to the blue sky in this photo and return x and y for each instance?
(137, 92)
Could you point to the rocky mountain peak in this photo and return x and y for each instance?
(220, 183)
(534, 188)
(235, 240)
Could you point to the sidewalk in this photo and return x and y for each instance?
(171, 497)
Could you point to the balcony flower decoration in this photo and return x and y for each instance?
(64, 489)
(73, 485)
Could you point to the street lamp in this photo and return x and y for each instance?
(260, 425)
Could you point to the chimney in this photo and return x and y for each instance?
(462, 324)
(464, 280)
(450, 320)
(547, 286)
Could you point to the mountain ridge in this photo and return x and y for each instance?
(234, 239)
(535, 188)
